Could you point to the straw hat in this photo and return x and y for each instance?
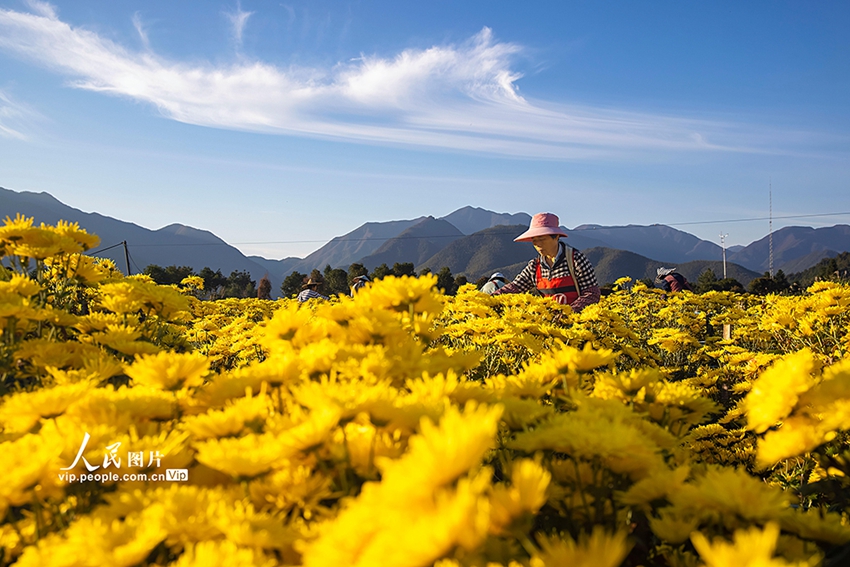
(541, 225)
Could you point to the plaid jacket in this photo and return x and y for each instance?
(585, 277)
(308, 294)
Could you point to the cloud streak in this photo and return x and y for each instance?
(238, 20)
(14, 118)
(140, 29)
(458, 97)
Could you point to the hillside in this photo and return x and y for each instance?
(692, 271)
(343, 250)
(611, 265)
(653, 241)
(792, 243)
(175, 244)
(470, 220)
(825, 269)
(434, 243)
(806, 262)
(478, 254)
(416, 244)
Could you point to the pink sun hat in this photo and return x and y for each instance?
(541, 225)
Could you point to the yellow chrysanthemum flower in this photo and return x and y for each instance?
(243, 457)
(525, 495)
(774, 394)
(222, 552)
(600, 549)
(20, 412)
(169, 370)
(124, 407)
(442, 452)
(230, 421)
(31, 461)
(133, 294)
(750, 548)
(193, 282)
(20, 285)
(23, 239)
(124, 340)
(72, 230)
(600, 431)
(831, 527)
(655, 487)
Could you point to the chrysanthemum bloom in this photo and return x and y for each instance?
(169, 370)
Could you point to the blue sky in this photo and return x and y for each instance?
(278, 125)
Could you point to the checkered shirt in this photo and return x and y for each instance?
(526, 280)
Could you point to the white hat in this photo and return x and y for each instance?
(498, 276)
(662, 272)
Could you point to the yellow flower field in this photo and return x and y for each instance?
(141, 426)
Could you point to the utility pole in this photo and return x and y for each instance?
(723, 245)
(127, 258)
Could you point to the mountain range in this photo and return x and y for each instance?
(471, 241)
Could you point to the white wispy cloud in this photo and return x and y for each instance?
(140, 29)
(238, 19)
(458, 96)
(15, 116)
(43, 8)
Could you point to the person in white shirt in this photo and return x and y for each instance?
(495, 282)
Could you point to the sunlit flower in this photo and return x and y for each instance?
(222, 552)
(169, 370)
(247, 456)
(21, 411)
(20, 285)
(231, 420)
(599, 549)
(750, 548)
(525, 495)
(776, 391)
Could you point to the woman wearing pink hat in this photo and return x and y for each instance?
(559, 271)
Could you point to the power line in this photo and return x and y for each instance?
(105, 249)
(749, 219)
(587, 229)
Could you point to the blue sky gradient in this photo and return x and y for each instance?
(278, 125)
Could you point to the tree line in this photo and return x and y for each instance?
(337, 281)
(216, 285)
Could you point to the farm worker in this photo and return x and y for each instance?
(671, 280)
(559, 271)
(358, 283)
(310, 290)
(495, 282)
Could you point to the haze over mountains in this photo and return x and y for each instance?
(470, 241)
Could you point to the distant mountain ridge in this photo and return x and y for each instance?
(470, 220)
(436, 242)
(175, 244)
(792, 243)
(415, 244)
(610, 265)
(493, 250)
(654, 241)
(343, 250)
